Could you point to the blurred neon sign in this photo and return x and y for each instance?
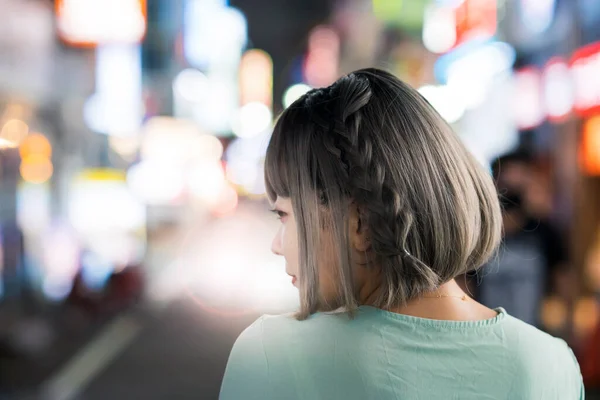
(87, 23)
(585, 65)
(589, 154)
(476, 19)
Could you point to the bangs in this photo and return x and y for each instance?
(281, 152)
(276, 175)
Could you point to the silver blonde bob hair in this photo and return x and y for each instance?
(430, 209)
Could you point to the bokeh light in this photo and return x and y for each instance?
(589, 154)
(191, 85)
(294, 92)
(35, 144)
(439, 28)
(155, 182)
(256, 77)
(253, 119)
(36, 169)
(445, 101)
(13, 132)
(322, 57)
(206, 181)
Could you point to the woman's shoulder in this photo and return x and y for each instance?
(272, 328)
(532, 347)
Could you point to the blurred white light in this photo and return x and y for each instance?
(471, 75)
(105, 205)
(116, 107)
(245, 163)
(33, 207)
(439, 28)
(584, 66)
(155, 183)
(206, 181)
(242, 172)
(213, 36)
(210, 148)
(294, 92)
(60, 255)
(13, 132)
(253, 119)
(444, 100)
(272, 289)
(528, 106)
(558, 90)
(215, 108)
(191, 84)
(124, 146)
(60, 249)
(227, 202)
(178, 142)
(244, 277)
(84, 22)
(57, 288)
(537, 15)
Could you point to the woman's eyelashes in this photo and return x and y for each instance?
(280, 214)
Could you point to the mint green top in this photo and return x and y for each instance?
(381, 355)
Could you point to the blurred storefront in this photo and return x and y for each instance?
(124, 121)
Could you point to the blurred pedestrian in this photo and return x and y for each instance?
(532, 255)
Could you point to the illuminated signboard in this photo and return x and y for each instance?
(585, 65)
(87, 23)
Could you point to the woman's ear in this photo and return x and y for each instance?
(359, 233)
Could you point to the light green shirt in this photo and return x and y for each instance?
(381, 355)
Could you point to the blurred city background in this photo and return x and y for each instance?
(135, 235)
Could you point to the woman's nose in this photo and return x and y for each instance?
(276, 245)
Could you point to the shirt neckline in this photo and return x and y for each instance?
(436, 323)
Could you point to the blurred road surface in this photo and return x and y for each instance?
(207, 282)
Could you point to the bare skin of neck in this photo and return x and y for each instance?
(448, 303)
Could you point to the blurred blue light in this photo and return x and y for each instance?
(95, 271)
(504, 54)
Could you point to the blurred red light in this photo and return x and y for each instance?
(475, 19)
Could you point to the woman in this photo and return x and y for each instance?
(381, 207)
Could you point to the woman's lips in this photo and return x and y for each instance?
(294, 279)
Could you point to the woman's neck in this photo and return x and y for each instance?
(448, 302)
